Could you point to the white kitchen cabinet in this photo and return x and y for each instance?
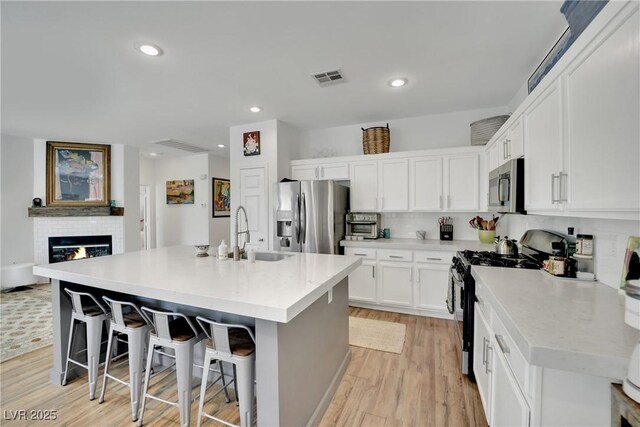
(543, 152)
(304, 172)
(393, 183)
(335, 171)
(396, 283)
(516, 139)
(482, 359)
(362, 283)
(494, 156)
(364, 186)
(603, 135)
(432, 282)
(462, 182)
(425, 184)
(508, 406)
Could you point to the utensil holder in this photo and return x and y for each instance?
(446, 232)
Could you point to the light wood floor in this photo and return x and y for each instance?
(420, 387)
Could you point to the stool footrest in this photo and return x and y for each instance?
(161, 400)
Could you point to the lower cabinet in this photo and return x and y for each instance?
(396, 283)
(508, 405)
(362, 283)
(482, 359)
(431, 286)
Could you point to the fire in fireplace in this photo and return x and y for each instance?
(69, 248)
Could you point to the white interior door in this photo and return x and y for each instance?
(254, 197)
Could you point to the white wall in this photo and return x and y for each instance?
(148, 178)
(610, 238)
(219, 228)
(414, 133)
(16, 183)
(183, 224)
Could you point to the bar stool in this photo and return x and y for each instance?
(234, 344)
(127, 319)
(93, 315)
(175, 331)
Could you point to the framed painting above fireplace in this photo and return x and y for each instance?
(78, 174)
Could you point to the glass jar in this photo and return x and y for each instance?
(584, 244)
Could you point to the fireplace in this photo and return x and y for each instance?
(69, 248)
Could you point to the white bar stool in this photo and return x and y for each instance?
(93, 315)
(127, 319)
(175, 331)
(233, 344)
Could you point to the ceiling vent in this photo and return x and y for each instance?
(179, 145)
(328, 77)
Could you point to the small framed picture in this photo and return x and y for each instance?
(78, 174)
(251, 143)
(221, 198)
(180, 192)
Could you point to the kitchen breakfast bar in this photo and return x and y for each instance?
(297, 305)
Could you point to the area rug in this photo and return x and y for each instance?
(377, 334)
(25, 321)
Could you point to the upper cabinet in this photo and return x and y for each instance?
(462, 182)
(603, 131)
(364, 186)
(393, 185)
(337, 171)
(425, 183)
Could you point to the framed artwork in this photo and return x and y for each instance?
(631, 267)
(78, 174)
(251, 143)
(221, 198)
(180, 192)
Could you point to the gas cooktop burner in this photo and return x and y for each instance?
(493, 259)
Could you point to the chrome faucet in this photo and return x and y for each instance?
(236, 249)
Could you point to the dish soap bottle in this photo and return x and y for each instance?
(223, 251)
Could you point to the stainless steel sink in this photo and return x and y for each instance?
(267, 256)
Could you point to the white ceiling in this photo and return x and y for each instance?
(70, 72)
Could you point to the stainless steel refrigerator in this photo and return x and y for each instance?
(310, 216)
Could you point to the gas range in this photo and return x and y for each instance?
(493, 259)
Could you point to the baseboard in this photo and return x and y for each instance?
(317, 415)
(439, 314)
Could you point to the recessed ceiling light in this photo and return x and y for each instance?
(153, 154)
(220, 145)
(149, 49)
(255, 109)
(398, 82)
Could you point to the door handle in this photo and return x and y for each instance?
(261, 240)
(373, 271)
(296, 221)
(553, 188)
(322, 171)
(303, 215)
(486, 366)
(316, 172)
(434, 259)
(508, 148)
(440, 201)
(484, 351)
(360, 254)
(504, 150)
(396, 256)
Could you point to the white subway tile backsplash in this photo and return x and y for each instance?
(44, 228)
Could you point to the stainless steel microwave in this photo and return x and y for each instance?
(506, 188)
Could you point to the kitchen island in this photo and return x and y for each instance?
(297, 305)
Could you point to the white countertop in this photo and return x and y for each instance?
(561, 323)
(275, 291)
(418, 244)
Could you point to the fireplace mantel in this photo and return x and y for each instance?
(75, 211)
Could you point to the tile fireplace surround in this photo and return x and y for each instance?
(45, 227)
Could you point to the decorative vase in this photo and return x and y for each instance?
(487, 236)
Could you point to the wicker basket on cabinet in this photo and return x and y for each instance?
(375, 140)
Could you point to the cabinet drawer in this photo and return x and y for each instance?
(395, 255)
(507, 346)
(365, 253)
(439, 257)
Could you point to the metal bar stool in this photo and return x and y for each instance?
(233, 344)
(127, 319)
(93, 316)
(175, 331)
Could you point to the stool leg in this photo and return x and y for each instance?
(245, 388)
(66, 368)
(224, 382)
(94, 337)
(106, 364)
(203, 385)
(136, 359)
(146, 382)
(184, 373)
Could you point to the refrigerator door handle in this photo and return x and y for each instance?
(303, 219)
(296, 218)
